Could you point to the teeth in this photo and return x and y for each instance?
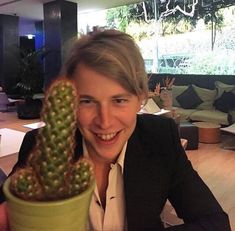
(106, 136)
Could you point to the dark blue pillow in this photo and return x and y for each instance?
(226, 102)
(189, 99)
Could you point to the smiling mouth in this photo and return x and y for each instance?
(107, 137)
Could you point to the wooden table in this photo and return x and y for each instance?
(10, 141)
(208, 132)
(10, 120)
(13, 130)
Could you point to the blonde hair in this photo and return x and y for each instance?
(113, 54)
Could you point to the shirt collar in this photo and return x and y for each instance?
(120, 159)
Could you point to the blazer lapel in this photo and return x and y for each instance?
(141, 188)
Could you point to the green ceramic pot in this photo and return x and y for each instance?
(64, 215)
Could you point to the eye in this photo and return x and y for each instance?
(120, 100)
(85, 101)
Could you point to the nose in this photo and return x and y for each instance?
(104, 116)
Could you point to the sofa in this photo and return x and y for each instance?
(201, 98)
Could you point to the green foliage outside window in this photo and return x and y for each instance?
(178, 34)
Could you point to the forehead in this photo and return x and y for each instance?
(88, 80)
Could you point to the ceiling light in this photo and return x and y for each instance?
(30, 36)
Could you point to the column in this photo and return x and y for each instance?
(60, 26)
(9, 51)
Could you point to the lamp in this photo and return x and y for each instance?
(30, 36)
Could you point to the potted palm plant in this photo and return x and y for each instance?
(30, 80)
(53, 191)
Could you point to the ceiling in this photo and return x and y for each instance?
(33, 9)
(30, 11)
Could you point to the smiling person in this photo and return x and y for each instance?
(139, 161)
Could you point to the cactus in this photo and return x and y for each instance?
(51, 172)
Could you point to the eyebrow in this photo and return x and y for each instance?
(122, 95)
(86, 96)
(128, 95)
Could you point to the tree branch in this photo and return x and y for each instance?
(145, 13)
(177, 7)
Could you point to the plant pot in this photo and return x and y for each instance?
(30, 109)
(166, 96)
(63, 215)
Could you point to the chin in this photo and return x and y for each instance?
(108, 156)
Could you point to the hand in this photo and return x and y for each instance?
(3, 217)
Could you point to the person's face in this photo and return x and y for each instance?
(106, 113)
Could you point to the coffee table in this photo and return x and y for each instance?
(208, 132)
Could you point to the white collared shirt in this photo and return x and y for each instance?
(113, 218)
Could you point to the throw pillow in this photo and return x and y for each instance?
(223, 87)
(176, 91)
(207, 96)
(226, 102)
(189, 99)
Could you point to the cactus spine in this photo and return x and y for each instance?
(51, 172)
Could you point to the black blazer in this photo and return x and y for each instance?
(156, 168)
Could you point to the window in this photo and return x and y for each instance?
(177, 43)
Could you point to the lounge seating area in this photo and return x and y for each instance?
(202, 98)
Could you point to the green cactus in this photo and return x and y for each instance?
(51, 172)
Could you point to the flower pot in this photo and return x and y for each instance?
(166, 96)
(64, 215)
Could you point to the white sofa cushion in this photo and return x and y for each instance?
(213, 116)
(207, 96)
(223, 87)
(184, 113)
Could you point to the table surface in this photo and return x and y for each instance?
(11, 121)
(13, 130)
(206, 125)
(10, 141)
(229, 129)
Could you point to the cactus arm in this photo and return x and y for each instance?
(55, 174)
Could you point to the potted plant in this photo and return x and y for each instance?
(30, 81)
(155, 95)
(53, 191)
(166, 93)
